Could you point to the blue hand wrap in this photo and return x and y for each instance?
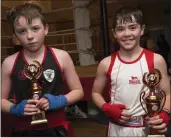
(18, 109)
(56, 102)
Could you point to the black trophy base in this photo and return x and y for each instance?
(39, 118)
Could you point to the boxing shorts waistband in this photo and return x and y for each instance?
(55, 118)
(135, 121)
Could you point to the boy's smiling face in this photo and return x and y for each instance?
(128, 33)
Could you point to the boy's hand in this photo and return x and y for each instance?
(26, 107)
(116, 112)
(30, 108)
(125, 116)
(159, 123)
(54, 102)
(43, 104)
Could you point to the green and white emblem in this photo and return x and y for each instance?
(49, 75)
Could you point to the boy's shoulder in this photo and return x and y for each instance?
(107, 60)
(158, 58)
(61, 55)
(9, 61)
(59, 52)
(105, 63)
(11, 58)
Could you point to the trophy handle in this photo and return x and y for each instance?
(26, 73)
(40, 69)
(159, 76)
(142, 98)
(144, 79)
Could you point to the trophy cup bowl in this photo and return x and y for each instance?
(33, 72)
(153, 100)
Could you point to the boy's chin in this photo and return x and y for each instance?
(33, 50)
(128, 48)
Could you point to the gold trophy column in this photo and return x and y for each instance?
(33, 72)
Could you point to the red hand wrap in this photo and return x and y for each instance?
(165, 116)
(113, 110)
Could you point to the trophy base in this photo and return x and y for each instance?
(36, 122)
(156, 136)
(147, 131)
(39, 118)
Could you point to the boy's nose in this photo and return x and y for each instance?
(127, 32)
(29, 35)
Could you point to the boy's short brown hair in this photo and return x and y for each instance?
(125, 14)
(29, 10)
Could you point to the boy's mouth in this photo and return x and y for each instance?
(33, 43)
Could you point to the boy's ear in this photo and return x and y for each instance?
(114, 34)
(14, 36)
(142, 29)
(46, 29)
(15, 40)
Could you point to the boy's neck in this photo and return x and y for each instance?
(130, 55)
(31, 56)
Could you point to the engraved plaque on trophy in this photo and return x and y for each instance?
(153, 100)
(33, 72)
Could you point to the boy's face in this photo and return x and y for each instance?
(31, 36)
(128, 34)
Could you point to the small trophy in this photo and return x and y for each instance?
(154, 99)
(33, 72)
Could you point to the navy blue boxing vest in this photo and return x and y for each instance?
(51, 79)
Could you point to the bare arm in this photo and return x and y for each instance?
(100, 82)
(6, 84)
(160, 64)
(76, 92)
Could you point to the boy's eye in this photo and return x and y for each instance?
(133, 28)
(20, 31)
(35, 28)
(119, 29)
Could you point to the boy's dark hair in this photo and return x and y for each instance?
(124, 15)
(29, 10)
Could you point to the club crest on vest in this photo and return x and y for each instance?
(49, 75)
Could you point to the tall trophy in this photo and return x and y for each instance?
(153, 100)
(33, 72)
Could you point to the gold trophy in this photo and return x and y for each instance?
(33, 72)
(154, 98)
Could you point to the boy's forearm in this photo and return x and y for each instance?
(6, 104)
(98, 99)
(74, 96)
(167, 91)
(167, 103)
